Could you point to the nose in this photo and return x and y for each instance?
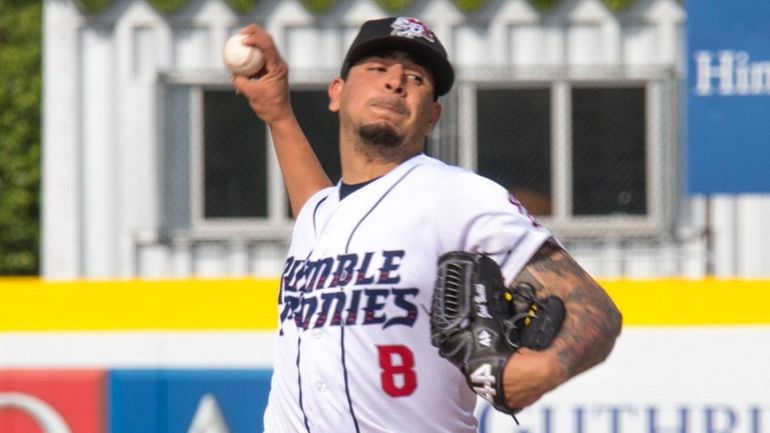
(395, 79)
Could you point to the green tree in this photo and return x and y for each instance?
(20, 78)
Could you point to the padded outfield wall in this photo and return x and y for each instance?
(195, 355)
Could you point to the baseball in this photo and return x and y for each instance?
(242, 59)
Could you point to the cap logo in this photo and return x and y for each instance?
(411, 28)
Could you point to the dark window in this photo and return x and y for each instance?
(235, 158)
(321, 127)
(608, 151)
(514, 143)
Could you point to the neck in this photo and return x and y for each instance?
(362, 161)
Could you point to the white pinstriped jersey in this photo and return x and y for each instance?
(353, 352)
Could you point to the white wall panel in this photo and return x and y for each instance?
(267, 259)
(584, 44)
(753, 236)
(98, 152)
(639, 47)
(143, 44)
(211, 260)
(722, 229)
(61, 253)
(239, 258)
(668, 17)
(153, 261)
(693, 255)
(473, 46)
(305, 47)
(181, 257)
(143, 59)
(194, 49)
(528, 45)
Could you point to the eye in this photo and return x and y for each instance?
(415, 78)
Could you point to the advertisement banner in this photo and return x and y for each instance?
(187, 401)
(728, 105)
(51, 401)
(660, 380)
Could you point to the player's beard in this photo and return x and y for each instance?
(378, 134)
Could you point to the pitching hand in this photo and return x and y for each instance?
(268, 91)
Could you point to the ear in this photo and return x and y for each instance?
(435, 116)
(334, 90)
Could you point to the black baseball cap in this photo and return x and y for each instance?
(404, 34)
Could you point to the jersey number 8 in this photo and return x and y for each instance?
(398, 377)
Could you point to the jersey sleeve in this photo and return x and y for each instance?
(475, 214)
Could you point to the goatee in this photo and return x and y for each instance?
(380, 135)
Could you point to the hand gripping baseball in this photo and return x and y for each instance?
(477, 323)
(268, 89)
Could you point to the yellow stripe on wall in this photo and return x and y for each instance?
(31, 304)
(692, 302)
(250, 304)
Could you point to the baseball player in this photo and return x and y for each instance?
(354, 349)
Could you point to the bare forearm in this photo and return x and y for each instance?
(268, 96)
(592, 322)
(301, 170)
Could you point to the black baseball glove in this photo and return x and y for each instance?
(477, 323)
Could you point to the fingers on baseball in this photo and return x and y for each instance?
(259, 38)
(244, 84)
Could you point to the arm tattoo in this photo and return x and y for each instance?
(592, 322)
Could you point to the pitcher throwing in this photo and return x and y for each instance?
(354, 350)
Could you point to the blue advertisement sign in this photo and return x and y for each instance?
(187, 401)
(728, 104)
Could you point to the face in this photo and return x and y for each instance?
(386, 100)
